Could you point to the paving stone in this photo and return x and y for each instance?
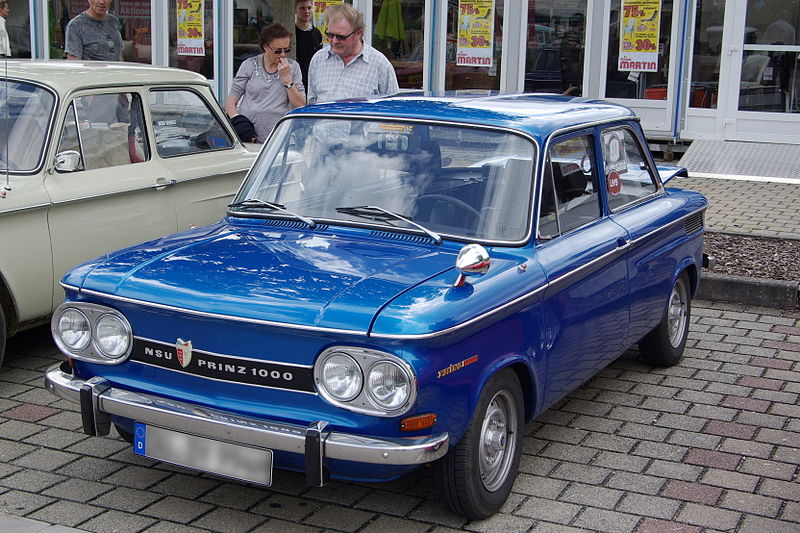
(652, 506)
(602, 497)
(280, 526)
(694, 439)
(692, 492)
(31, 480)
(550, 510)
(568, 452)
(771, 469)
(22, 503)
(46, 459)
(757, 524)
(286, 507)
(389, 503)
(136, 477)
(636, 483)
(782, 438)
(544, 487)
(99, 447)
(731, 429)
(746, 502)
(117, 522)
(607, 521)
(176, 509)
(389, 523)
(79, 490)
(184, 486)
(652, 525)
(621, 461)
(90, 468)
(725, 461)
(710, 517)
(29, 412)
(339, 518)
(126, 499)
(234, 496)
(66, 512)
(584, 473)
(228, 520)
(730, 480)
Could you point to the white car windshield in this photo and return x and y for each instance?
(25, 112)
(455, 181)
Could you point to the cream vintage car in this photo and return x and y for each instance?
(97, 156)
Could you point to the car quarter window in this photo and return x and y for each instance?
(106, 129)
(570, 196)
(627, 172)
(184, 124)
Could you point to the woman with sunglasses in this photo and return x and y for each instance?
(265, 87)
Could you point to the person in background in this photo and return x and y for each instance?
(306, 36)
(94, 34)
(265, 87)
(5, 46)
(349, 68)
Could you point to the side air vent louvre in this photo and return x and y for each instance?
(693, 223)
(293, 224)
(401, 237)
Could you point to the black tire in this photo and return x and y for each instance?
(665, 344)
(126, 436)
(478, 473)
(3, 331)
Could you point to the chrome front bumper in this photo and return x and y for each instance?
(99, 401)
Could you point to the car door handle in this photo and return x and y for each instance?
(163, 183)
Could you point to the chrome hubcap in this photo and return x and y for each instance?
(677, 312)
(497, 440)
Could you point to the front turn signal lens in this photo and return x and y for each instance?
(418, 423)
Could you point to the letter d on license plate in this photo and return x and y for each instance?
(223, 458)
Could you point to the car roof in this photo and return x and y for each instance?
(539, 115)
(65, 76)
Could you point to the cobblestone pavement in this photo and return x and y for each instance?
(755, 208)
(710, 445)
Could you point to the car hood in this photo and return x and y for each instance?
(287, 276)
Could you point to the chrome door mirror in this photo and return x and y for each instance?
(472, 260)
(67, 161)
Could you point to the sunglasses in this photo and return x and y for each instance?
(338, 37)
(278, 51)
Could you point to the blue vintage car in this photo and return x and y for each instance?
(399, 281)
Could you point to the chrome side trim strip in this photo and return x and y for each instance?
(26, 208)
(231, 427)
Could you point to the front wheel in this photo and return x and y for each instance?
(2, 335)
(477, 474)
(665, 344)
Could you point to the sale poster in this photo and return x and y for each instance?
(319, 13)
(638, 36)
(190, 28)
(475, 33)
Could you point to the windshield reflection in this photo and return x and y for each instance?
(25, 112)
(460, 182)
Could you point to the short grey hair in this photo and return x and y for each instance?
(347, 12)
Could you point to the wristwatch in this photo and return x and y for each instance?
(289, 85)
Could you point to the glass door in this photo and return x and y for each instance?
(764, 83)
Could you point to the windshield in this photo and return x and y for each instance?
(455, 181)
(25, 112)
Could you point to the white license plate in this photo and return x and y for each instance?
(224, 458)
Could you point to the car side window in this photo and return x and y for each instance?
(570, 197)
(106, 129)
(627, 172)
(184, 124)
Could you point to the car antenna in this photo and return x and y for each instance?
(7, 185)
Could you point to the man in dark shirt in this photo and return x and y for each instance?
(307, 37)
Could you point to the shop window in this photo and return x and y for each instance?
(709, 17)
(555, 47)
(474, 45)
(191, 38)
(249, 18)
(134, 26)
(397, 33)
(638, 59)
(19, 28)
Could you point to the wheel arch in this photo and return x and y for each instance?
(526, 379)
(9, 307)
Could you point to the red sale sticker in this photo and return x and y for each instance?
(613, 183)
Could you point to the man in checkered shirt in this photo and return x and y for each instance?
(349, 68)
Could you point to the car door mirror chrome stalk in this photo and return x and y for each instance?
(472, 260)
(67, 161)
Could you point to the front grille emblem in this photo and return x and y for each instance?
(183, 349)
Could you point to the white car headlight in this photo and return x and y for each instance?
(73, 329)
(111, 335)
(341, 377)
(388, 385)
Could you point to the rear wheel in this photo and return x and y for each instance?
(477, 474)
(2, 335)
(665, 344)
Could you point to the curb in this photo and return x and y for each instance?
(749, 291)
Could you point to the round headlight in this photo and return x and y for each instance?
(112, 336)
(341, 377)
(388, 385)
(73, 329)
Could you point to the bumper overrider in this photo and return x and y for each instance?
(100, 401)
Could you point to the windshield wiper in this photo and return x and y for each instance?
(374, 212)
(255, 202)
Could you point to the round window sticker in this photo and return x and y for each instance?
(613, 183)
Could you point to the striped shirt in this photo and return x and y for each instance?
(367, 74)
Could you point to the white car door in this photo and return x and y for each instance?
(198, 148)
(118, 194)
